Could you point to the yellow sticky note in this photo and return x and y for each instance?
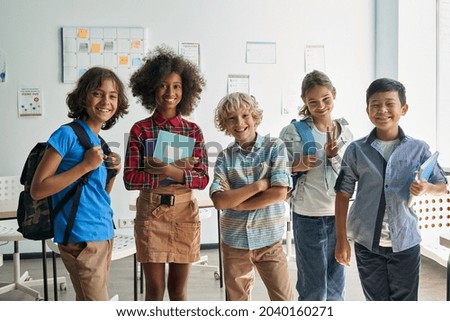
(82, 33)
(123, 60)
(95, 47)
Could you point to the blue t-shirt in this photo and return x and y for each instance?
(93, 221)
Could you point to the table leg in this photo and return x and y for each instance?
(448, 278)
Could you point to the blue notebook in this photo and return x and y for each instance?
(424, 172)
(171, 147)
(427, 167)
(150, 146)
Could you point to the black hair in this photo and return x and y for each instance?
(385, 85)
(158, 64)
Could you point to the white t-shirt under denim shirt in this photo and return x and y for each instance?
(385, 237)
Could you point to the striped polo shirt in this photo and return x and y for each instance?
(235, 168)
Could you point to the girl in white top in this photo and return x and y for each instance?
(319, 276)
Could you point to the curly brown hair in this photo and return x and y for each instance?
(89, 82)
(158, 64)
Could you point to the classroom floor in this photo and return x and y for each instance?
(203, 285)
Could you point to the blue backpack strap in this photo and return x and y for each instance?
(305, 133)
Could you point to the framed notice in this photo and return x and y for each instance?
(238, 83)
(190, 51)
(314, 58)
(261, 52)
(121, 49)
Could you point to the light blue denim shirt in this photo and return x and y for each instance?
(363, 166)
(235, 168)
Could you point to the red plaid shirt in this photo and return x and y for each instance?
(135, 178)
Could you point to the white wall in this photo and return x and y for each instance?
(406, 50)
(29, 35)
(417, 68)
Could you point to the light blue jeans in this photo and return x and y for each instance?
(319, 276)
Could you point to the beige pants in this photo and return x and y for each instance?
(88, 264)
(271, 264)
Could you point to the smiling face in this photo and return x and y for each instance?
(169, 95)
(320, 101)
(385, 110)
(102, 103)
(241, 124)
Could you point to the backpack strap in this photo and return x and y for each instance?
(305, 133)
(76, 190)
(81, 134)
(86, 143)
(84, 138)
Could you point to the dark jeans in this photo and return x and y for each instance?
(319, 276)
(389, 276)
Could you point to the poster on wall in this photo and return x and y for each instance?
(121, 49)
(314, 58)
(2, 67)
(190, 51)
(238, 83)
(258, 52)
(29, 101)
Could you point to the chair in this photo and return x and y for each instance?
(433, 213)
(20, 282)
(123, 246)
(10, 189)
(202, 263)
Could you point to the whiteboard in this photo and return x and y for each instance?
(121, 49)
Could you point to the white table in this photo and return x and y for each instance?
(21, 281)
(444, 240)
(8, 209)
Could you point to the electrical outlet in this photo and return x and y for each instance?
(126, 222)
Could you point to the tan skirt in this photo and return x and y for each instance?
(167, 225)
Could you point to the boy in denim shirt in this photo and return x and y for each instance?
(384, 229)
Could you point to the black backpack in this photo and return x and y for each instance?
(35, 217)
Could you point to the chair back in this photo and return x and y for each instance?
(433, 213)
(10, 188)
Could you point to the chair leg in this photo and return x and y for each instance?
(220, 250)
(44, 270)
(141, 277)
(55, 277)
(135, 277)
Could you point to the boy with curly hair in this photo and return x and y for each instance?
(251, 181)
